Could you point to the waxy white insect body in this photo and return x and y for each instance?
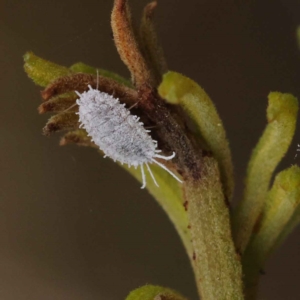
(117, 132)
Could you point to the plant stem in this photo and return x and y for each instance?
(216, 265)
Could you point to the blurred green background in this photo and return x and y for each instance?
(74, 225)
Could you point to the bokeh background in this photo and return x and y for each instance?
(76, 226)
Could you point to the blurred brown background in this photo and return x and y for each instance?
(76, 226)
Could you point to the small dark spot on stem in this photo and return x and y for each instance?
(185, 205)
(194, 255)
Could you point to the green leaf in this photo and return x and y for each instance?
(151, 49)
(83, 68)
(282, 203)
(282, 115)
(42, 71)
(289, 227)
(153, 292)
(178, 89)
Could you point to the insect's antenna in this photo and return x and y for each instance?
(165, 168)
(70, 107)
(165, 157)
(143, 177)
(153, 178)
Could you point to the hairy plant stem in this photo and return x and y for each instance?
(216, 265)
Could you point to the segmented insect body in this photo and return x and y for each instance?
(117, 132)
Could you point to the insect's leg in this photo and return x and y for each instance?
(165, 168)
(165, 157)
(153, 178)
(143, 177)
(134, 105)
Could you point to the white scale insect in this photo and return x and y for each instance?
(117, 132)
